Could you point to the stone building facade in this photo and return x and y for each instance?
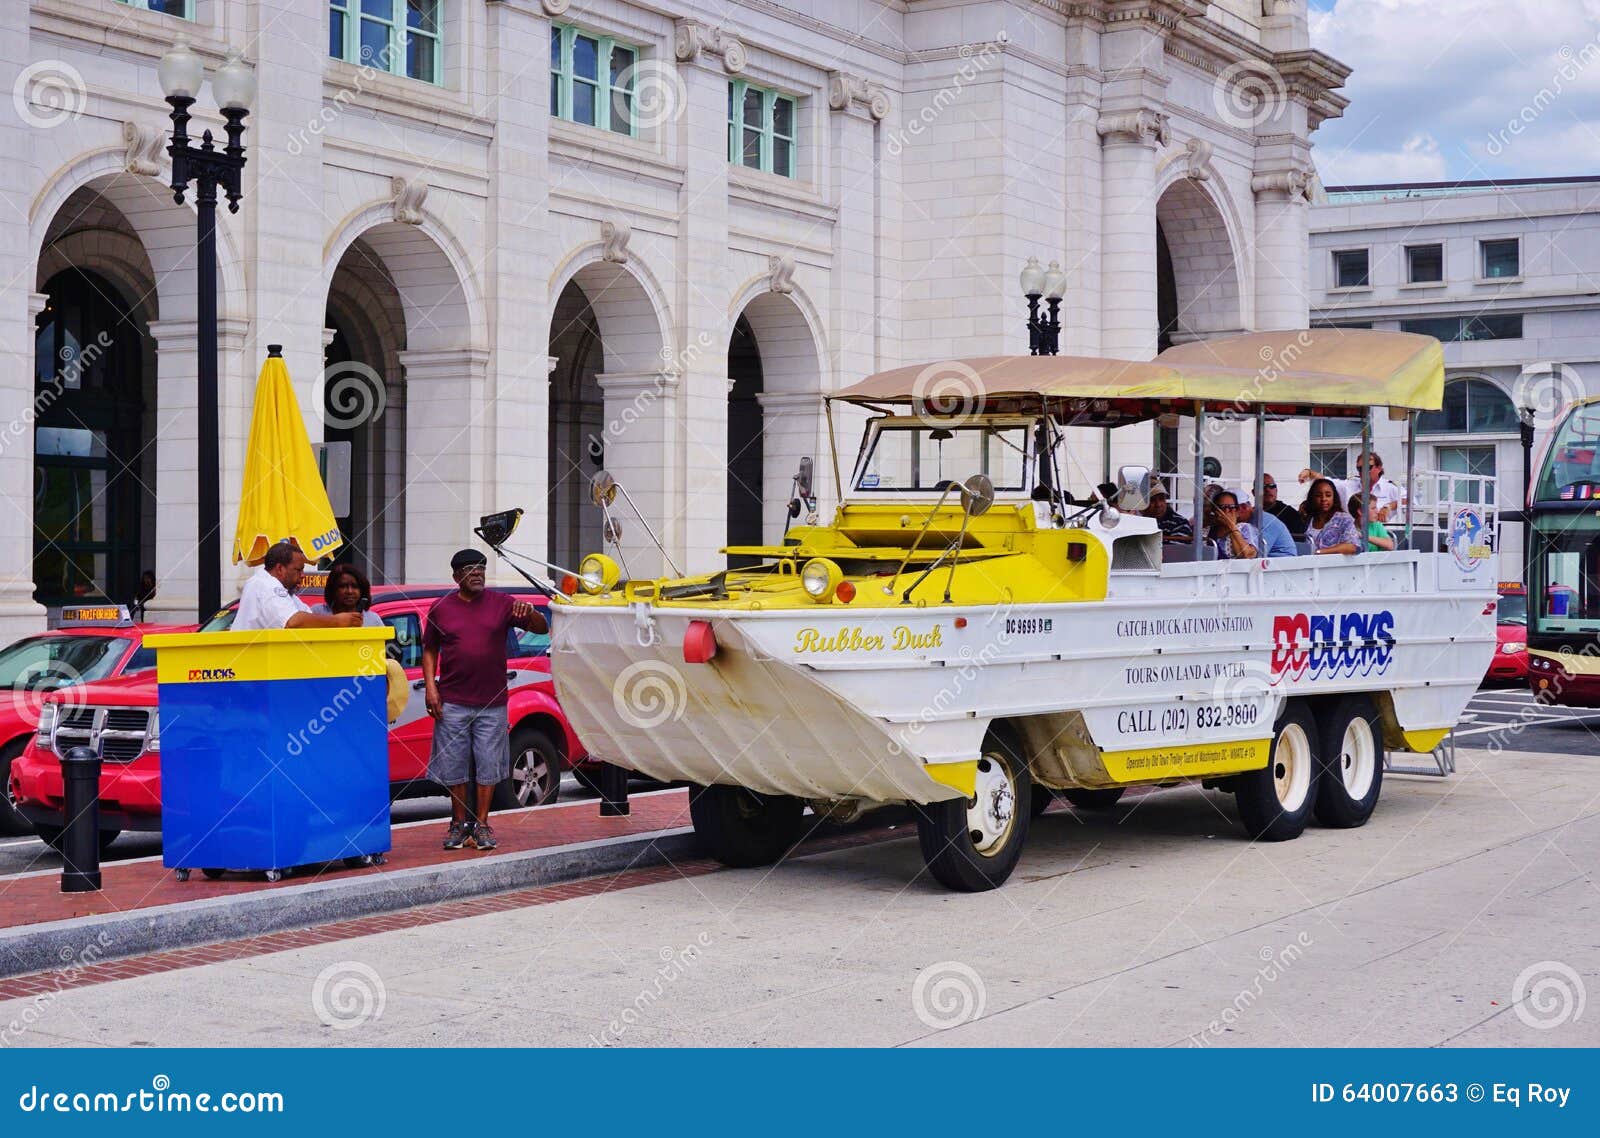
(506, 241)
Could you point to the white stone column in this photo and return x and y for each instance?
(447, 415)
(858, 106)
(177, 485)
(1281, 237)
(642, 448)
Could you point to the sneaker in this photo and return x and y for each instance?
(483, 836)
(456, 836)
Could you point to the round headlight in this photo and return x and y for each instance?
(820, 578)
(1512, 648)
(597, 573)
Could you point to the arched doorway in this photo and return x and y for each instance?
(577, 421)
(746, 494)
(89, 501)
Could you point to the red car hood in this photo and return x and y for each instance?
(1511, 633)
(137, 690)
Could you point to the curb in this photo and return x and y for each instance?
(162, 928)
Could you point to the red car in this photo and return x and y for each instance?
(118, 716)
(94, 643)
(1510, 662)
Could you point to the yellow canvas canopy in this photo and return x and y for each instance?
(1325, 371)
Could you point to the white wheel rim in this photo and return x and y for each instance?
(993, 810)
(1291, 767)
(1357, 758)
(525, 776)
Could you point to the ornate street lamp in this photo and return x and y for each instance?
(1044, 333)
(182, 72)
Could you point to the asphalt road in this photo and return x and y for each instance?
(1508, 719)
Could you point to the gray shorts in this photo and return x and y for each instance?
(471, 744)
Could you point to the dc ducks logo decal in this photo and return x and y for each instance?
(1327, 645)
(1467, 544)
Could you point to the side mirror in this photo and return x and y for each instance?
(802, 479)
(496, 529)
(602, 488)
(977, 495)
(1133, 488)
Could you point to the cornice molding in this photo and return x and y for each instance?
(1144, 126)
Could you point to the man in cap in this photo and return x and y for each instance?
(1174, 526)
(268, 598)
(464, 670)
(1275, 538)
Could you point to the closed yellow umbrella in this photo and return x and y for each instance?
(283, 492)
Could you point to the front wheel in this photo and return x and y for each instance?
(1352, 769)
(535, 772)
(12, 823)
(1277, 801)
(971, 845)
(741, 828)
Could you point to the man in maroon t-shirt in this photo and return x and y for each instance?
(466, 692)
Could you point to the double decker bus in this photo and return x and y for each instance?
(1563, 567)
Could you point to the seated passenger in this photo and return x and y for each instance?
(1378, 535)
(1174, 526)
(1292, 518)
(1330, 528)
(1233, 538)
(1274, 534)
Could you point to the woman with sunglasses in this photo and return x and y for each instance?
(1329, 527)
(1235, 540)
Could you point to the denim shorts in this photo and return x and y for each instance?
(471, 744)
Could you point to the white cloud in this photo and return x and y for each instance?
(1462, 72)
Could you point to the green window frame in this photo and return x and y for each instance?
(762, 129)
(369, 33)
(592, 79)
(182, 9)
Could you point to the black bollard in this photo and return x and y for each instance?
(613, 782)
(80, 836)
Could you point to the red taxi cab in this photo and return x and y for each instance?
(118, 717)
(1510, 661)
(91, 643)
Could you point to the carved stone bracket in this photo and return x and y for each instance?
(691, 39)
(844, 90)
(781, 270)
(409, 194)
(145, 147)
(1197, 159)
(555, 7)
(1143, 126)
(1292, 184)
(614, 237)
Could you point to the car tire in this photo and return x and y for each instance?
(535, 772)
(1276, 802)
(1352, 763)
(972, 845)
(51, 836)
(1094, 799)
(586, 780)
(743, 829)
(12, 823)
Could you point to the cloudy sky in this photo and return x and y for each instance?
(1439, 83)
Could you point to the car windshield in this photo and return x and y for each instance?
(1512, 609)
(920, 457)
(222, 621)
(43, 663)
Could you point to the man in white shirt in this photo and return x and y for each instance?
(1386, 495)
(268, 600)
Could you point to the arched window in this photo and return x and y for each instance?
(1471, 407)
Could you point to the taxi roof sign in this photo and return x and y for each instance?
(94, 616)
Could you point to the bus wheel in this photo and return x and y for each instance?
(1352, 767)
(1094, 799)
(971, 845)
(1277, 801)
(741, 828)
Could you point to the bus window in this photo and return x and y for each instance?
(1572, 466)
(1566, 592)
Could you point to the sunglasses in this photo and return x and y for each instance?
(1269, 485)
(1229, 509)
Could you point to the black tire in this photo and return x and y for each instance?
(741, 828)
(1352, 763)
(586, 780)
(971, 845)
(51, 836)
(535, 772)
(1094, 799)
(12, 823)
(1277, 801)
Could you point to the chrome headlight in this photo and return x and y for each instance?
(152, 738)
(820, 578)
(47, 723)
(1513, 648)
(597, 573)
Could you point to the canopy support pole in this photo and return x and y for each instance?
(1199, 478)
(1261, 462)
(1411, 464)
(1364, 481)
(833, 449)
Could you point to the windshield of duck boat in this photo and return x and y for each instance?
(915, 455)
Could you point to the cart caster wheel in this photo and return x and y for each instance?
(181, 874)
(274, 875)
(379, 859)
(213, 874)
